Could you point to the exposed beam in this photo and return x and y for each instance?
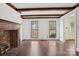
(52, 8)
(12, 6)
(39, 17)
(66, 12)
(77, 5)
(34, 17)
(45, 15)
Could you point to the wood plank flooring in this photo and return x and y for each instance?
(44, 48)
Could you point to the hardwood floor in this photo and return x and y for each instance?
(44, 48)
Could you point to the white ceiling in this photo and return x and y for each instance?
(41, 5)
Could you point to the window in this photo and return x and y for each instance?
(52, 29)
(34, 29)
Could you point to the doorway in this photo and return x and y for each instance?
(13, 38)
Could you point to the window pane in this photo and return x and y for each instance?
(52, 25)
(52, 29)
(52, 34)
(34, 29)
(34, 24)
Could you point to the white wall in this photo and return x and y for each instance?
(43, 28)
(9, 14)
(77, 41)
(69, 17)
(74, 12)
(68, 34)
(61, 30)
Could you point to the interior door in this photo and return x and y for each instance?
(13, 38)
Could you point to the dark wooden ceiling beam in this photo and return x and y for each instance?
(12, 6)
(52, 8)
(39, 16)
(77, 5)
(45, 15)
